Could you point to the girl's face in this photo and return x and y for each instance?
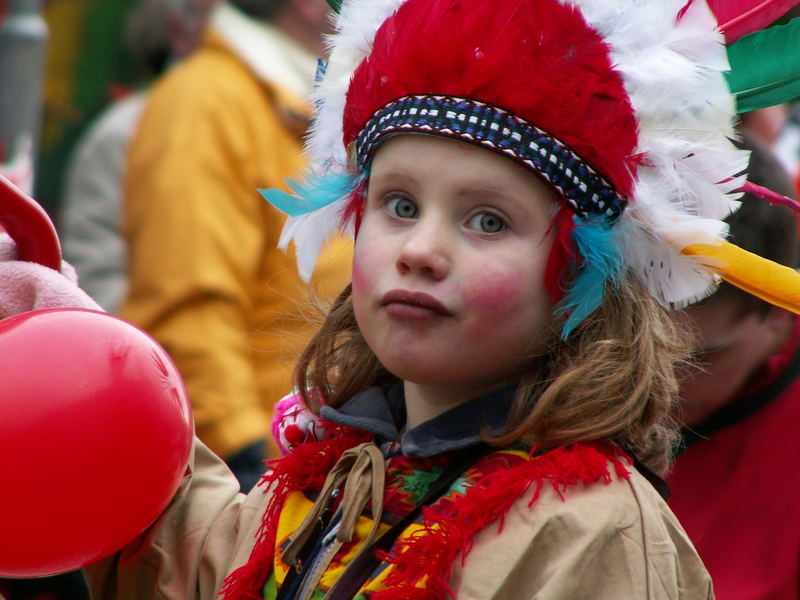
(449, 263)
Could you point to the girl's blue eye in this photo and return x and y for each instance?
(487, 223)
(403, 208)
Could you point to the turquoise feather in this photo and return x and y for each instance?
(311, 194)
(599, 248)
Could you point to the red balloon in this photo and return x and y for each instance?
(95, 434)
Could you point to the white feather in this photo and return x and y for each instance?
(305, 231)
(665, 272)
(692, 38)
(673, 73)
(356, 25)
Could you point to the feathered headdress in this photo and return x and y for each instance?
(622, 106)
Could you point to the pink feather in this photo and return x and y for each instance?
(740, 17)
(773, 198)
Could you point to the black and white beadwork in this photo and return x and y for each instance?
(584, 190)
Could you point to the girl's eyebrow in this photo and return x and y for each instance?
(509, 196)
(394, 176)
(483, 191)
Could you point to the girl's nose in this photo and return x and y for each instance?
(425, 253)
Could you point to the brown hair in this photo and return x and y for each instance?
(612, 379)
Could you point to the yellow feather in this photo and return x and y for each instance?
(768, 280)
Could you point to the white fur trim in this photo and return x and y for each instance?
(673, 73)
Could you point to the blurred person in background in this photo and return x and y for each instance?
(88, 66)
(206, 276)
(158, 33)
(734, 483)
(24, 36)
(778, 128)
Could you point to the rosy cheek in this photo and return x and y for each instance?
(364, 257)
(361, 286)
(358, 273)
(495, 291)
(369, 263)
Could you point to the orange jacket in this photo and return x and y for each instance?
(206, 277)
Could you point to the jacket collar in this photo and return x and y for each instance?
(257, 44)
(383, 413)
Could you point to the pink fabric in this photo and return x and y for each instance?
(26, 286)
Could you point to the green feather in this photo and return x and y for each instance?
(335, 5)
(765, 67)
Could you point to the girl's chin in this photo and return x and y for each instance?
(446, 380)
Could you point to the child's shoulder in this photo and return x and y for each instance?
(577, 494)
(592, 491)
(599, 538)
(582, 486)
(607, 507)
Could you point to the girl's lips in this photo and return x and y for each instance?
(415, 305)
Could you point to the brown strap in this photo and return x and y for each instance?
(363, 565)
(366, 479)
(356, 460)
(363, 471)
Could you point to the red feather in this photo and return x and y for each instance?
(562, 255)
(448, 530)
(538, 59)
(354, 209)
(740, 17)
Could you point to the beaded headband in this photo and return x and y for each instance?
(584, 190)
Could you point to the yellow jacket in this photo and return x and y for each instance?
(206, 277)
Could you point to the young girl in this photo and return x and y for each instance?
(526, 181)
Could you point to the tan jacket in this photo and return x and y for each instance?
(601, 542)
(207, 279)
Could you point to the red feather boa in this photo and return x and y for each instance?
(428, 555)
(448, 528)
